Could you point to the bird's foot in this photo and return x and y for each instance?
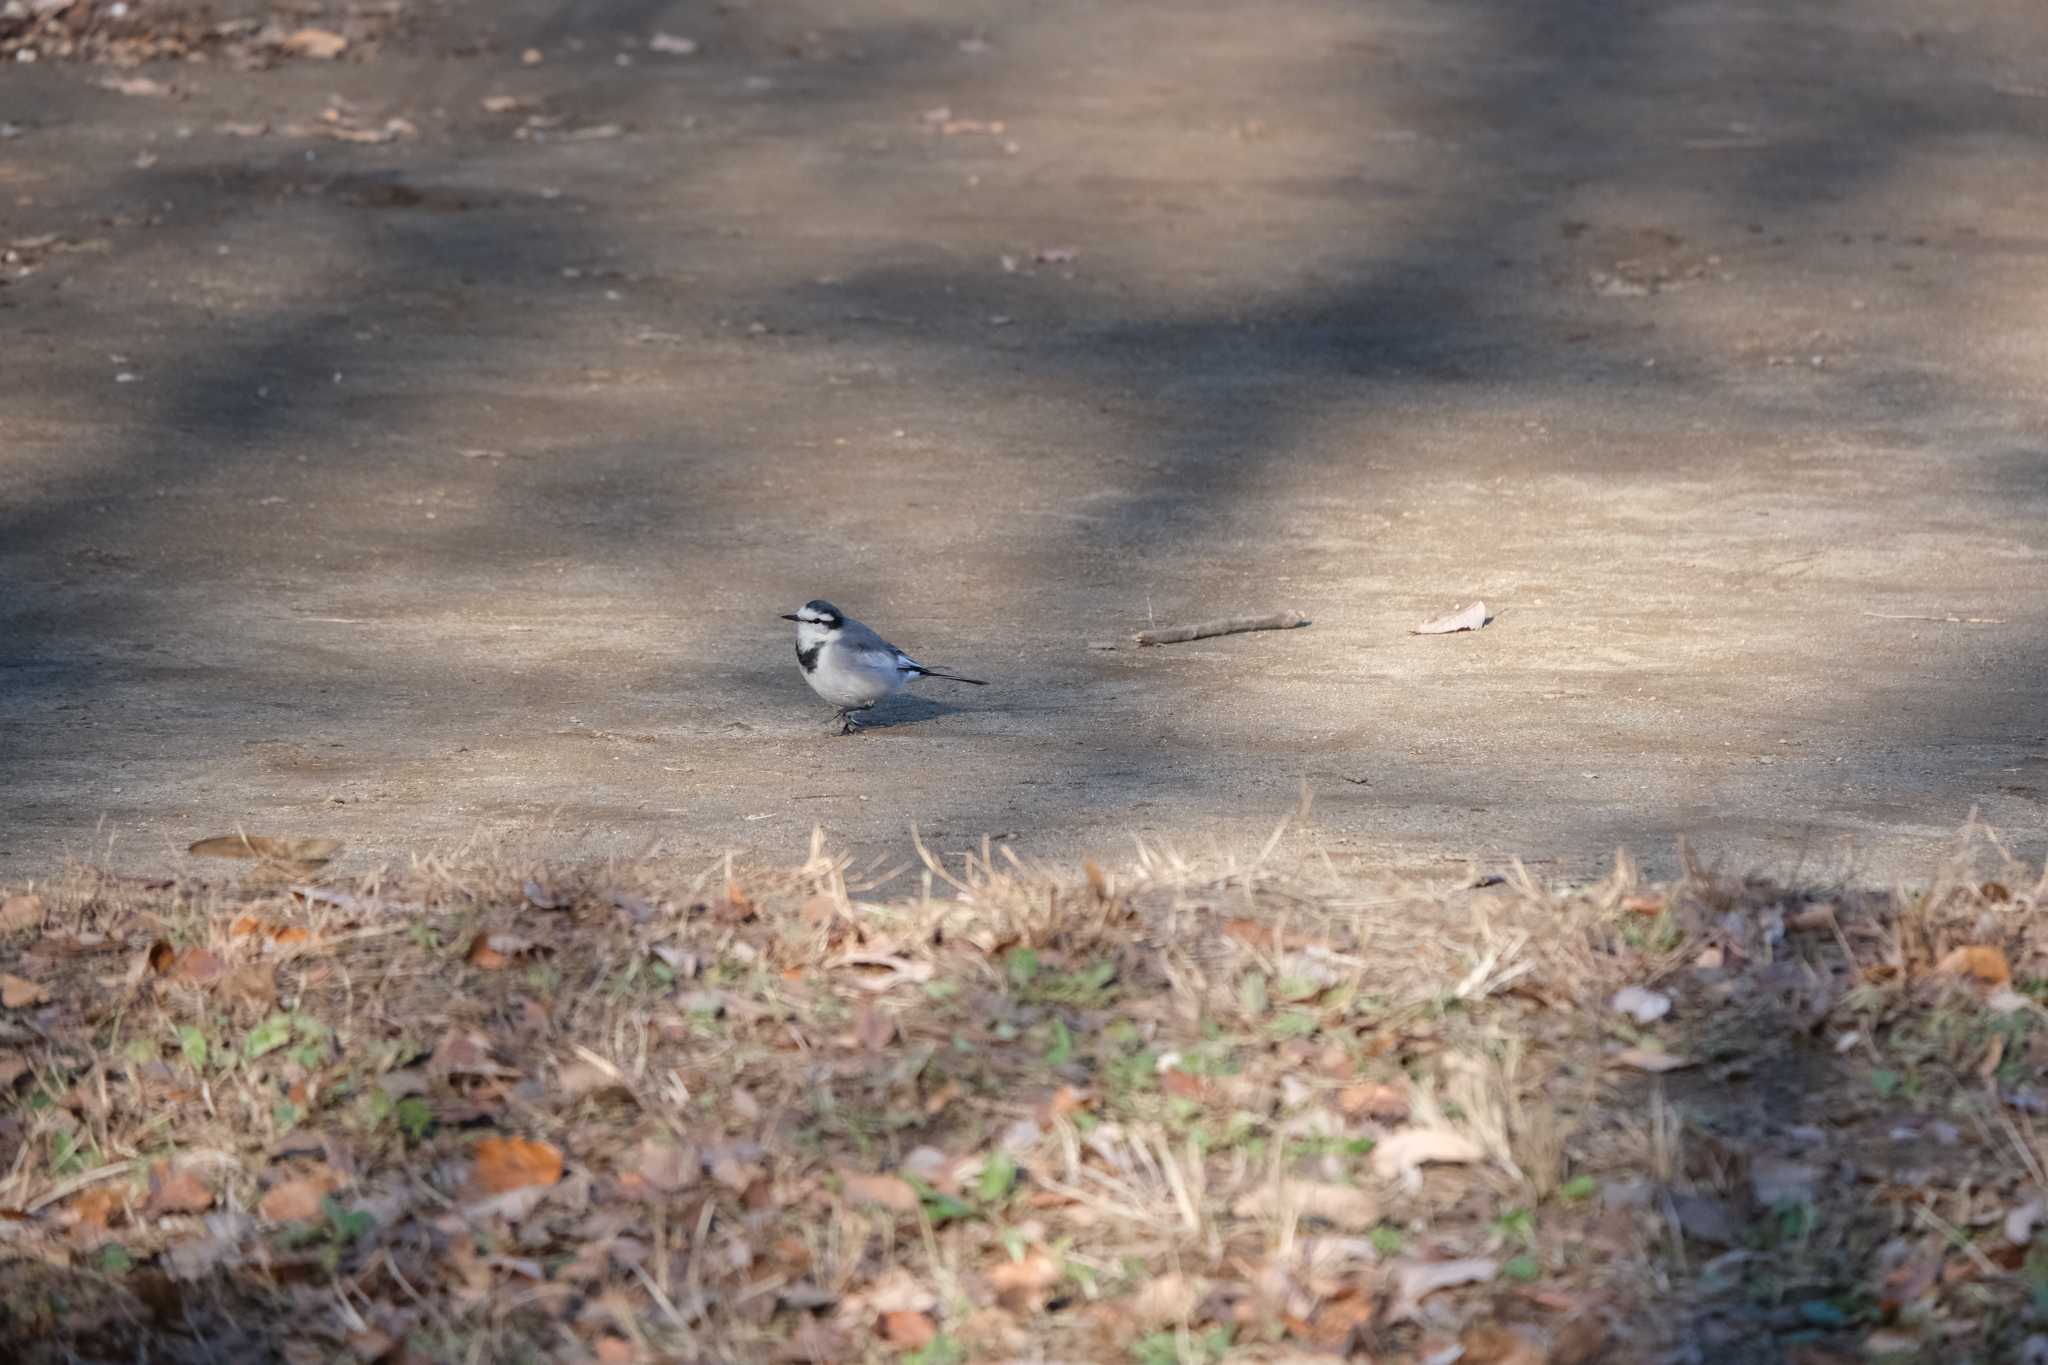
(845, 723)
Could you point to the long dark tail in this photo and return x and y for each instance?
(950, 677)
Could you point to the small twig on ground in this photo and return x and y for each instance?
(1229, 625)
(1951, 620)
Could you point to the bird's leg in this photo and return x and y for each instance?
(846, 722)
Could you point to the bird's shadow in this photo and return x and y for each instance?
(905, 708)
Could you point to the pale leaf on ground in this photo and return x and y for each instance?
(318, 43)
(665, 1165)
(136, 85)
(884, 1191)
(578, 1079)
(1022, 1284)
(1166, 1299)
(298, 1200)
(176, 1191)
(1643, 1006)
(1467, 618)
(1346, 1206)
(1415, 1147)
(1652, 1060)
(18, 992)
(21, 912)
(1415, 1281)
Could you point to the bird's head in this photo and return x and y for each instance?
(816, 617)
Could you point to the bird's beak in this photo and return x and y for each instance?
(791, 616)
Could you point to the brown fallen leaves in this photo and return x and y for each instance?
(1979, 962)
(659, 1167)
(21, 912)
(891, 1192)
(320, 44)
(1345, 1206)
(176, 1191)
(908, 1331)
(298, 1200)
(504, 1164)
(1415, 1281)
(495, 951)
(17, 992)
(1023, 1284)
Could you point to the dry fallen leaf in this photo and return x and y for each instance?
(514, 1163)
(1415, 1281)
(1979, 962)
(492, 952)
(1412, 1148)
(283, 935)
(197, 967)
(1820, 916)
(1249, 932)
(90, 1211)
(1643, 1006)
(1346, 1206)
(664, 1166)
(577, 1079)
(19, 993)
(1166, 1299)
(21, 912)
(467, 1053)
(1022, 1285)
(908, 1331)
(278, 848)
(298, 1200)
(883, 1191)
(176, 1191)
(135, 85)
(1374, 1100)
(1337, 1323)
(1469, 618)
(1652, 1060)
(322, 45)
(1488, 1343)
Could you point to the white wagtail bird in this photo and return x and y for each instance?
(849, 665)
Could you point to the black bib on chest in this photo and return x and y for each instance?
(807, 659)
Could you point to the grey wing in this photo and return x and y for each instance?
(871, 649)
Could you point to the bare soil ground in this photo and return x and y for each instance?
(413, 448)
(423, 442)
(1163, 1113)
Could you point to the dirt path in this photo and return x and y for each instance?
(456, 482)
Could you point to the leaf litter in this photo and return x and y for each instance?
(733, 1113)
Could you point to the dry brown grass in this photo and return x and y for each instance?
(1176, 1111)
